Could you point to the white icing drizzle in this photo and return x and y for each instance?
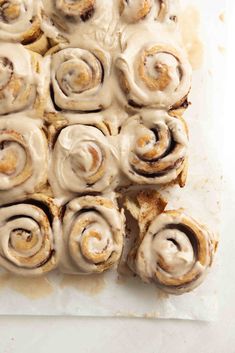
(23, 157)
(175, 252)
(93, 235)
(153, 147)
(83, 159)
(29, 244)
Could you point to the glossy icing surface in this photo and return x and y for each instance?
(101, 110)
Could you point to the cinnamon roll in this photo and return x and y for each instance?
(75, 10)
(93, 235)
(153, 148)
(20, 22)
(79, 79)
(19, 79)
(83, 160)
(30, 240)
(23, 157)
(155, 75)
(174, 251)
(133, 11)
(66, 13)
(62, 18)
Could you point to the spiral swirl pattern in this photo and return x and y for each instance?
(153, 148)
(19, 20)
(78, 79)
(174, 253)
(76, 9)
(22, 168)
(18, 84)
(132, 11)
(83, 160)
(29, 240)
(157, 76)
(93, 233)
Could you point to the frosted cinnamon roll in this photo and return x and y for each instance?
(19, 75)
(30, 239)
(133, 11)
(79, 79)
(93, 235)
(155, 75)
(83, 160)
(64, 14)
(174, 251)
(154, 148)
(75, 10)
(23, 157)
(20, 22)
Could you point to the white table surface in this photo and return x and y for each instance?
(39, 335)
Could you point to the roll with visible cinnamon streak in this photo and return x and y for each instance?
(30, 240)
(79, 79)
(19, 85)
(154, 148)
(173, 250)
(23, 157)
(156, 75)
(93, 235)
(20, 22)
(83, 160)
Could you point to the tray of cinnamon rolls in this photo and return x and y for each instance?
(101, 156)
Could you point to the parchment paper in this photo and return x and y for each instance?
(111, 294)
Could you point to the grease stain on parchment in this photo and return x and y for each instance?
(189, 24)
(121, 280)
(92, 284)
(32, 288)
(151, 315)
(222, 17)
(221, 49)
(162, 295)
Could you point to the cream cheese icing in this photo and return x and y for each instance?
(93, 235)
(175, 252)
(19, 20)
(23, 157)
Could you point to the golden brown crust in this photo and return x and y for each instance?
(144, 207)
